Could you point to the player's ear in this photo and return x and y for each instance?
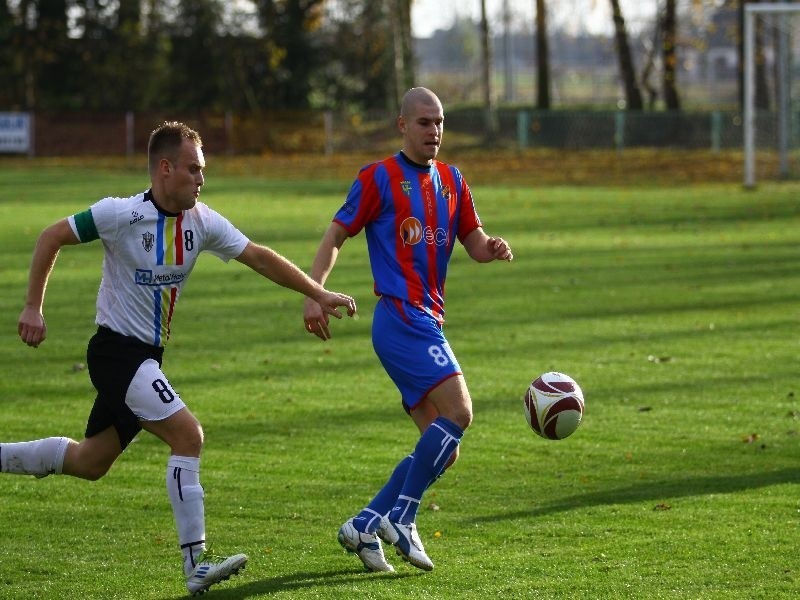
(164, 166)
(401, 124)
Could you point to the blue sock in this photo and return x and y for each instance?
(368, 519)
(434, 448)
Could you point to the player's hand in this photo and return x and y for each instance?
(500, 249)
(316, 312)
(31, 327)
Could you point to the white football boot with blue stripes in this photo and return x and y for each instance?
(407, 542)
(366, 546)
(211, 569)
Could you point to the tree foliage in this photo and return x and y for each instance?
(194, 54)
(216, 55)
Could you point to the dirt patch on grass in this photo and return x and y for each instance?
(635, 167)
(529, 167)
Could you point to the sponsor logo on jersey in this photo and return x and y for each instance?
(147, 241)
(412, 233)
(136, 217)
(147, 277)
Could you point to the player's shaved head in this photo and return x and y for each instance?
(421, 121)
(416, 96)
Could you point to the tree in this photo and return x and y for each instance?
(760, 73)
(542, 58)
(459, 46)
(404, 68)
(9, 93)
(49, 64)
(293, 58)
(669, 58)
(490, 116)
(508, 53)
(361, 73)
(633, 95)
(652, 48)
(196, 42)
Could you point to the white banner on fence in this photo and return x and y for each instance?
(15, 132)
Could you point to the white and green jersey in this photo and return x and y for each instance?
(149, 254)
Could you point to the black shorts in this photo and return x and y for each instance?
(113, 360)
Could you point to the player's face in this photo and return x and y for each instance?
(422, 131)
(185, 178)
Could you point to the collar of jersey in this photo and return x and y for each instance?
(410, 162)
(148, 197)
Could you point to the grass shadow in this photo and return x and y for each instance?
(297, 581)
(655, 491)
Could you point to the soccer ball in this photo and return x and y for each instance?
(554, 405)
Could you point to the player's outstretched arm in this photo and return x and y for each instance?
(314, 317)
(484, 248)
(31, 325)
(279, 269)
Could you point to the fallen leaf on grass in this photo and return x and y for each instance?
(659, 359)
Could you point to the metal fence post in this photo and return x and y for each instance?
(716, 131)
(328, 125)
(129, 126)
(229, 132)
(619, 130)
(523, 127)
(32, 135)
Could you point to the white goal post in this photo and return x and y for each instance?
(780, 15)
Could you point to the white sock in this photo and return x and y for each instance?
(186, 496)
(39, 457)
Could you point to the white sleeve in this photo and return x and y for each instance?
(223, 239)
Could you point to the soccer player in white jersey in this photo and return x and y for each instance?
(151, 243)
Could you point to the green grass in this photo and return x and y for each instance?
(675, 308)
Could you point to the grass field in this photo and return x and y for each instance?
(675, 308)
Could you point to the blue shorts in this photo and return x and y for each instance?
(412, 348)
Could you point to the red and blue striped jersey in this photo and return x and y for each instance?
(412, 215)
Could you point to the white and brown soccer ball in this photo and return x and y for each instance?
(554, 405)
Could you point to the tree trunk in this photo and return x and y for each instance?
(508, 53)
(762, 99)
(652, 48)
(633, 96)
(760, 75)
(409, 71)
(403, 48)
(669, 58)
(542, 58)
(490, 117)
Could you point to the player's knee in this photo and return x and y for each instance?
(191, 441)
(90, 469)
(453, 458)
(95, 472)
(463, 417)
(88, 459)
(182, 432)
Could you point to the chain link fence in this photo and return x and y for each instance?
(330, 133)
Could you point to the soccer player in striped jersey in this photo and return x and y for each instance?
(151, 243)
(413, 208)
